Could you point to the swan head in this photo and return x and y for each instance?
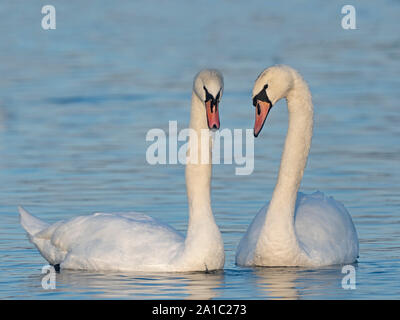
(273, 84)
(208, 85)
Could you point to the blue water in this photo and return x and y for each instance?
(76, 104)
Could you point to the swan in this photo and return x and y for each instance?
(294, 229)
(135, 241)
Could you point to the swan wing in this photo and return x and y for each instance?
(109, 241)
(325, 229)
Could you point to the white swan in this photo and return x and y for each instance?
(137, 242)
(294, 229)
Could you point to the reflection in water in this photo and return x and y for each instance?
(202, 285)
(195, 285)
(277, 283)
(294, 283)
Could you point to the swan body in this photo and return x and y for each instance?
(135, 241)
(295, 229)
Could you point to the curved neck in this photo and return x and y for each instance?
(279, 223)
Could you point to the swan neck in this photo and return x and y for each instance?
(279, 224)
(296, 147)
(198, 167)
(203, 238)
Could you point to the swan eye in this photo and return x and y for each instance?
(217, 97)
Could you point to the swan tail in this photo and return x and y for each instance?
(30, 223)
(35, 229)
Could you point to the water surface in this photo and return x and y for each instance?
(76, 104)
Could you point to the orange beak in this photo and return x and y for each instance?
(262, 110)
(212, 115)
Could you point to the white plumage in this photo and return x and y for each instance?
(295, 229)
(134, 241)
